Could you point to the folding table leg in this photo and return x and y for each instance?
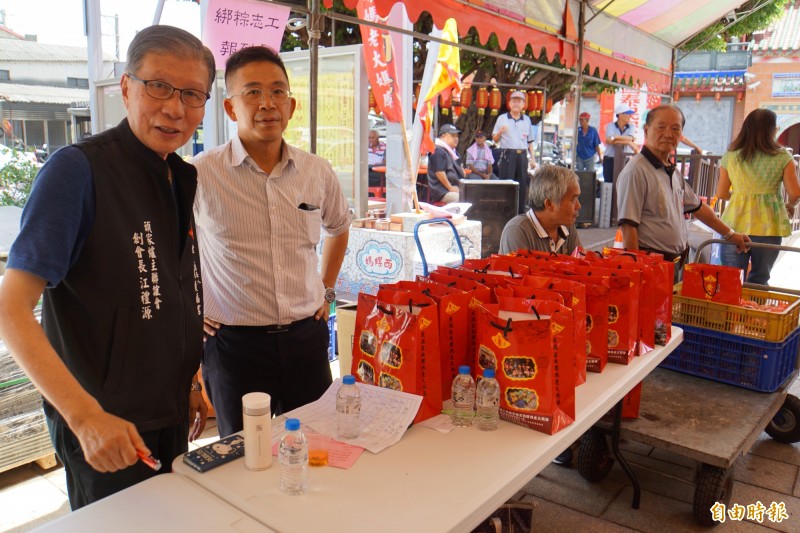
(637, 491)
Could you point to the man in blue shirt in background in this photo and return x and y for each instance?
(588, 145)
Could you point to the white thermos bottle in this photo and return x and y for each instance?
(257, 431)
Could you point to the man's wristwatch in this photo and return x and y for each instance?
(330, 295)
(196, 387)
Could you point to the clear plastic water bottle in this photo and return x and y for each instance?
(463, 398)
(348, 409)
(293, 458)
(487, 400)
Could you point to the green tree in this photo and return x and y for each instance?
(714, 37)
(16, 180)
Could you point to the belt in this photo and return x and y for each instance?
(275, 328)
(679, 259)
(514, 150)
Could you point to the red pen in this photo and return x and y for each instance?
(149, 460)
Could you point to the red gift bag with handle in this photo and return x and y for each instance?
(396, 346)
(716, 283)
(520, 347)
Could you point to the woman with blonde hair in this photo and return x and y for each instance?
(750, 177)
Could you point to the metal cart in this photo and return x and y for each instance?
(707, 421)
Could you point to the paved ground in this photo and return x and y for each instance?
(565, 502)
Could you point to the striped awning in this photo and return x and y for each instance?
(731, 80)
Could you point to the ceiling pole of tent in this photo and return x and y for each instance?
(157, 14)
(314, 32)
(91, 17)
(578, 84)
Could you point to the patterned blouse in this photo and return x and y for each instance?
(756, 206)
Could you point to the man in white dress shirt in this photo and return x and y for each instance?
(260, 207)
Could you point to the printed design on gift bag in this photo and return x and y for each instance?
(474, 303)
(613, 314)
(500, 341)
(388, 381)
(423, 323)
(556, 328)
(383, 325)
(519, 367)
(391, 355)
(452, 308)
(522, 398)
(379, 260)
(487, 358)
(575, 301)
(368, 343)
(613, 338)
(710, 283)
(366, 373)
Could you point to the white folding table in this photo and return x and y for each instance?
(429, 481)
(165, 503)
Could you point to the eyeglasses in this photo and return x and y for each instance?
(278, 95)
(161, 90)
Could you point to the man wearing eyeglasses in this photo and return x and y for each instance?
(108, 235)
(260, 207)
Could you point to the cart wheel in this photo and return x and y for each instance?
(785, 425)
(594, 456)
(713, 485)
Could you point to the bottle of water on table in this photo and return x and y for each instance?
(463, 395)
(487, 401)
(348, 409)
(293, 458)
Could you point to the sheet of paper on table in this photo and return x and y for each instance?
(385, 416)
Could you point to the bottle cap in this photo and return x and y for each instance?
(292, 424)
(255, 403)
(349, 379)
(463, 369)
(488, 372)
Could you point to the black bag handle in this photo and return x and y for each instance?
(703, 282)
(505, 329)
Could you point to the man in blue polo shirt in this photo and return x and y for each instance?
(513, 133)
(588, 145)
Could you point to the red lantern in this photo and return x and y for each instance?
(466, 98)
(676, 96)
(373, 103)
(445, 102)
(717, 96)
(495, 101)
(531, 108)
(740, 97)
(549, 105)
(697, 96)
(416, 95)
(539, 103)
(482, 100)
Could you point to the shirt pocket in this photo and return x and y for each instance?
(311, 221)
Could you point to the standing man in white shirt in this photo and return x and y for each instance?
(513, 133)
(619, 139)
(259, 209)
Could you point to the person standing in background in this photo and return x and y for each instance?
(620, 136)
(513, 133)
(108, 235)
(750, 177)
(260, 207)
(376, 157)
(479, 157)
(588, 151)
